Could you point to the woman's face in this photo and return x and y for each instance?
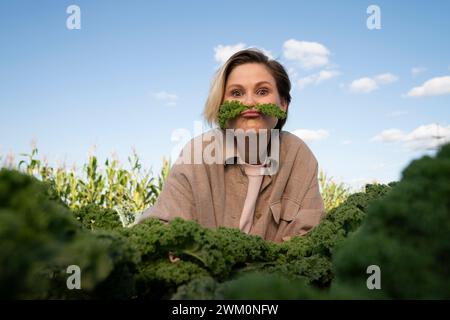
(251, 84)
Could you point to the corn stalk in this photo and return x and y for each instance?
(333, 193)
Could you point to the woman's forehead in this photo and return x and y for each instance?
(250, 74)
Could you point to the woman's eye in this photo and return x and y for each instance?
(235, 93)
(263, 91)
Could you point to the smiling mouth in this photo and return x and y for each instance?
(250, 113)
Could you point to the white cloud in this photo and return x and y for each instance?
(292, 72)
(369, 84)
(311, 135)
(267, 53)
(363, 85)
(417, 70)
(433, 87)
(386, 78)
(306, 54)
(346, 142)
(317, 78)
(223, 52)
(169, 98)
(422, 138)
(389, 135)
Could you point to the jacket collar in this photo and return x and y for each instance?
(231, 155)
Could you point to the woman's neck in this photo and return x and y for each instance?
(254, 151)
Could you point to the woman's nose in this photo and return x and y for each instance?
(250, 100)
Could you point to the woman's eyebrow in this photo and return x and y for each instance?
(256, 84)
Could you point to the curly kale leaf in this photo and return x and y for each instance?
(201, 288)
(94, 217)
(406, 234)
(271, 109)
(40, 238)
(159, 279)
(231, 109)
(219, 251)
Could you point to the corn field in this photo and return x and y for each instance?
(110, 186)
(126, 190)
(333, 193)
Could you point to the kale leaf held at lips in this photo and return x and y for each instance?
(231, 109)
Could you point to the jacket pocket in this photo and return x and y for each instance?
(285, 209)
(292, 219)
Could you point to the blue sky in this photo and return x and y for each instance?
(137, 71)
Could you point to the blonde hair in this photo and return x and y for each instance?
(252, 55)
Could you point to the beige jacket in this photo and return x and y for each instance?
(289, 202)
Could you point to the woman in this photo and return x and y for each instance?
(276, 195)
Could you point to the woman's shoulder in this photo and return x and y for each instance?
(194, 149)
(292, 139)
(293, 145)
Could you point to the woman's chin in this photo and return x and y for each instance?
(252, 128)
(252, 125)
